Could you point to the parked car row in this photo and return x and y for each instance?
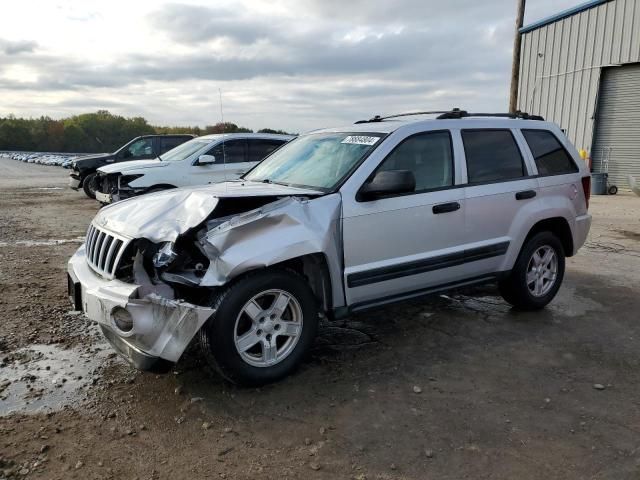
(58, 159)
(201, 161)
(83, 174)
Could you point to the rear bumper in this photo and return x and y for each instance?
(580, 232)
(162, 328)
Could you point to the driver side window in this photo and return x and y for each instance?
(428, 156)
(141, 148)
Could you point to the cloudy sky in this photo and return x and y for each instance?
(291, 64)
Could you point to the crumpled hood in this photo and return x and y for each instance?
(90, 161)
(163, 216)
(124, 167)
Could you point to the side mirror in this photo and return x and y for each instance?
(392, 182)
(206, 159)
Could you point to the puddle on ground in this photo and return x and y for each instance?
(41, 243)
(43, 378)
(46, 188)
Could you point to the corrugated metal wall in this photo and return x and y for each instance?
(561, 63)
(617, 130)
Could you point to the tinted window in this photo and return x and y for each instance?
(167, 144)
(258, 149)
(551, 157)
(231, 151)
(491, 155)
(428, 156)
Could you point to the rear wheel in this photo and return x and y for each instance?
(262, 327)
(613, 189)
(537, 273)
(90, 185)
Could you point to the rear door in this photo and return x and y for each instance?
(500, 188)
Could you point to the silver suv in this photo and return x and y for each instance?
(336, 221)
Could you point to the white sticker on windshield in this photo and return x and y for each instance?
(360, 140)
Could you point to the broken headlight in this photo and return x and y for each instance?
(164, 256)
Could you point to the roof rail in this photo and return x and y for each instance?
(454, 113)
(378, 118)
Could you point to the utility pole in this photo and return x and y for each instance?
(515, 65)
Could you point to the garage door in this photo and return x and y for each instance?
(617, 129)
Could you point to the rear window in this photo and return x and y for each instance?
(549, 154)
(492, 155)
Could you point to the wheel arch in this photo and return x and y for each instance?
(559, 226)
(314, 267)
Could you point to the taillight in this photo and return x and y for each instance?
(586, 187)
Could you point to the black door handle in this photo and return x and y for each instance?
(446, 207)
(525, 195)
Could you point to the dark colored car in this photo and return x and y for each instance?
(83, 173)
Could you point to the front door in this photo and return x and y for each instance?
(403, 245)
(229, 155)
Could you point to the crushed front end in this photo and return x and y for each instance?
(113, 187)
(142, 320)
(150, 266)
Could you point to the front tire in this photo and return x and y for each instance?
(537, 273)
(263, 326)
(89, 185)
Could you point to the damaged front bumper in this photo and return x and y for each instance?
(161, 329)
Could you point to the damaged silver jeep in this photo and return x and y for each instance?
(334, 222)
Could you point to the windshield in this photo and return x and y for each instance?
(317, 160)
(184, 151)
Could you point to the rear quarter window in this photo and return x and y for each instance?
(550, 156)
(492, 155)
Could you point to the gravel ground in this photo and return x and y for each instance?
(452, 387)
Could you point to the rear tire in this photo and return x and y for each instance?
(537, 273)
(263, 326)
(89, 185)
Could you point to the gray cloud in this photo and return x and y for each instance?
(16, 47)
(191, 23)
(324, 61)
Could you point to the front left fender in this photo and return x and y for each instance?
(283, 230)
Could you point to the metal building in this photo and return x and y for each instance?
(581, 69)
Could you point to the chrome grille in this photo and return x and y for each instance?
(104, 251)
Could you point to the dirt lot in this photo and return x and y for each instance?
(453, 387)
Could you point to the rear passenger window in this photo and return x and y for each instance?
(492, 155)
(428, 156)
(258, 149)
(549, 154)
(167, 143)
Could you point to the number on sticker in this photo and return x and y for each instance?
(360, 140)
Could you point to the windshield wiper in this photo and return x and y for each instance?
(268, 180)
